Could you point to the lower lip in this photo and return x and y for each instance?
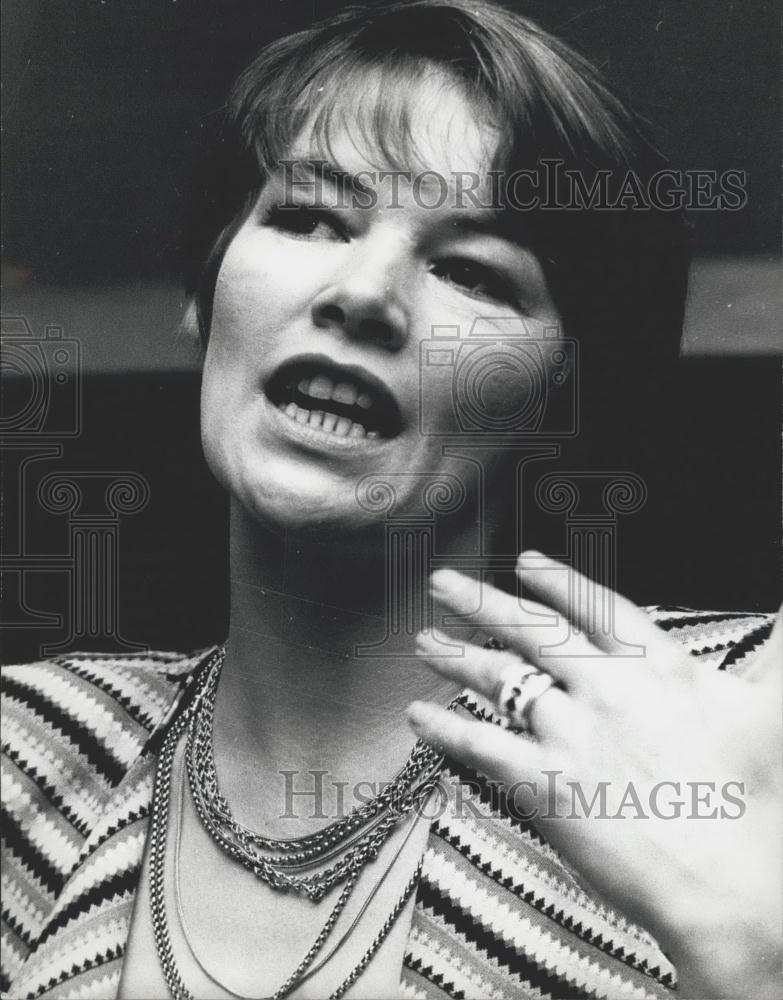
(316, 439)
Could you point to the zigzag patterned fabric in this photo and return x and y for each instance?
(498, 914)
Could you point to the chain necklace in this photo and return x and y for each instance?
(207, 685)
(353, 840)
(314, 968)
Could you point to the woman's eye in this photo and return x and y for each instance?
(304, 221)
(475, 279)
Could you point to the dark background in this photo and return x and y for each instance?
(103, 106)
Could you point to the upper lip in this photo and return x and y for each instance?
(389, 410)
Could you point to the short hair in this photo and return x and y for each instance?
(618, 277)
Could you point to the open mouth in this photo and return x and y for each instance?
(334, 400)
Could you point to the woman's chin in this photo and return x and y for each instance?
(287, 508)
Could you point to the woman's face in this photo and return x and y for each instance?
(317, 373)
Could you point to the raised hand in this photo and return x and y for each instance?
(659, 778)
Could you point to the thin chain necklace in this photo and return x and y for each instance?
(313, 969)
(350, 841)
(159, 833)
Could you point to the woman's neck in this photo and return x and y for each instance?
(296, 694)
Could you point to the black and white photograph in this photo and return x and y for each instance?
(390, 529)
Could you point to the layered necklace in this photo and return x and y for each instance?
(311, 865)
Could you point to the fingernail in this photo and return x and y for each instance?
(418, 713)
(443, 581)
(527, 557)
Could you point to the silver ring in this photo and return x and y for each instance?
(518, 693)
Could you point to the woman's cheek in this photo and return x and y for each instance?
(277, 288)
(243, 283)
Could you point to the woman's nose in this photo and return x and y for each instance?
(365, 301)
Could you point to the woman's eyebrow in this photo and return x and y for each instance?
(319, 170)
(344, 179)
(485, 222)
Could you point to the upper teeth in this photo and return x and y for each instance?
(323, 387)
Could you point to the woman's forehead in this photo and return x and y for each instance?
(426, 124)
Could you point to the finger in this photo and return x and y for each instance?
(496, 752)
(482, 670)
(486, 671)
(611, 622)
(528, 628)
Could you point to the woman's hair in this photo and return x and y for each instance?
(618, 275)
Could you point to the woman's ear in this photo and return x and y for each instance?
(188, 333)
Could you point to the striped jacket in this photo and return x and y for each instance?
(498, 914)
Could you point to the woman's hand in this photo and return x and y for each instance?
(656, 776)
